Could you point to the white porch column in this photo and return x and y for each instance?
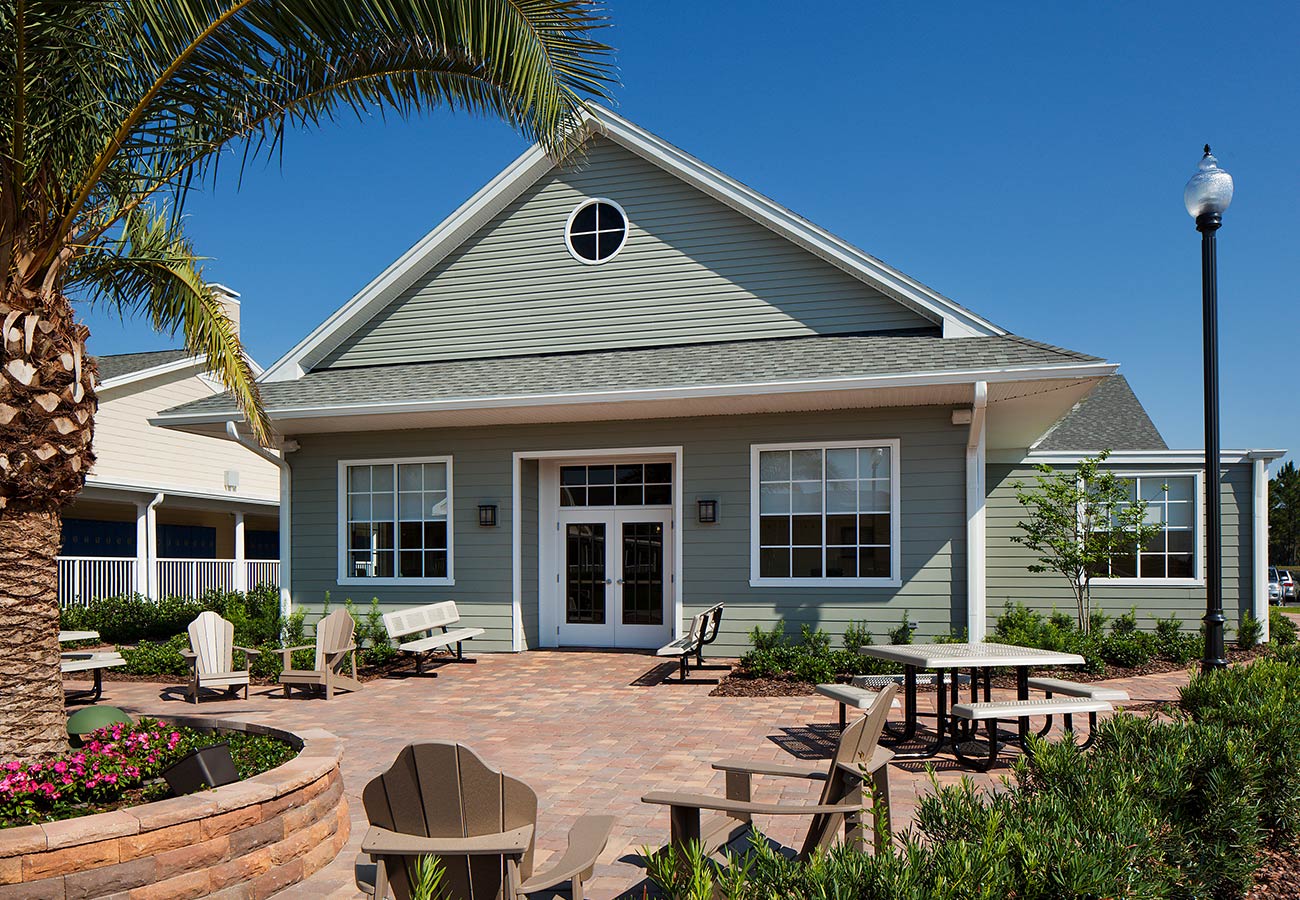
(241, 569)
(151, 545)
(1259, 554)
(142, 547)
(976, 532)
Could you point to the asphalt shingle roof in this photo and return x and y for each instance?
(1110, 418)
(789, 359)
(119, 364)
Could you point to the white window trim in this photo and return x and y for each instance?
(1198, 547)
(895, 525)
(343, 578)
(568, 226)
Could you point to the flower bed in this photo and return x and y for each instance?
(260, 834)
(121, 765)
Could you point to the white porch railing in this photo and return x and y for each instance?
(85, 578)
(192, 577)
(261, 571)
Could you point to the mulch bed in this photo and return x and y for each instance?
(1278, 877)
(740, 684)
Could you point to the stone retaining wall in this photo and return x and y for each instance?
(243, 841)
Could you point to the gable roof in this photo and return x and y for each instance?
(677, 371)
(1109, 418)
(955, 320)
(120, 365)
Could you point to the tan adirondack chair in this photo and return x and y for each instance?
(438, 798)
(844, 797)
(212, 657)
(334, 648)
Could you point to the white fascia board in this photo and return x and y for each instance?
(1142, 457)
(426, 253)
(911, 379)
(765, 211)
(179, 365)
(139, 488)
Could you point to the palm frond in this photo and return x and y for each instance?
(151, 269)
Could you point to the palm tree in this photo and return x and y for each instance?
(109, 112)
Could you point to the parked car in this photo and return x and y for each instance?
(1274, 586)
(1289, 585)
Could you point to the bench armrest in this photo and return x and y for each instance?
(189, 654)
(880, 758)
(291, 649)
(721, 804)
(249, 650)
(382, 842)
(756, 767)
(587, 840)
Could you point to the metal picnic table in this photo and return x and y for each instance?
(980, 658)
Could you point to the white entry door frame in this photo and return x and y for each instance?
(548, 535)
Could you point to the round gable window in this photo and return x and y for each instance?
(596, 231)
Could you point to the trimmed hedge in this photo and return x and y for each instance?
(152, 633)
(1172, 809)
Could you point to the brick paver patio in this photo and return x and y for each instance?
(590, 731)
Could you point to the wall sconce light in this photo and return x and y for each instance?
(708, 510)
(487, 515)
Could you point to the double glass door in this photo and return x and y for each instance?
(615, 577)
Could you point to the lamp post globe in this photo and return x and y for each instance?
(1206, 196)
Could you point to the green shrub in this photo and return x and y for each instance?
(1281, 628)
(1129, 648)
(769, 639)
(856, 636)
(903, 633)
(811, 658)
(157, 658)
(1157, 809)
(1249, 631)
(1260, 704)
(133, 617)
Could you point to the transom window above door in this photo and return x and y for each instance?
(617, 484)
(825, 514)
(596, 231)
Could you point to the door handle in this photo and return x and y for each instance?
(609, 581)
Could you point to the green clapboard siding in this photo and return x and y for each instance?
(1009, 579)
(692, 270)
(716, 452)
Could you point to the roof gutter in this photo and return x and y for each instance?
(286, 521)
(684, 392)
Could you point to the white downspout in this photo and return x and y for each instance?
(976, 530)
(1259, 554)
(151, 546)
(286, 485)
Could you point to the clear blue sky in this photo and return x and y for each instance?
(1028, 161)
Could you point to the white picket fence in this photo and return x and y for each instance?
(84, 578)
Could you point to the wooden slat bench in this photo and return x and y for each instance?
(990, 712)
(93, 662)
(425, 620)
(847, 695)
(703, 631)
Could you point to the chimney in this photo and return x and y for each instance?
(229, 301)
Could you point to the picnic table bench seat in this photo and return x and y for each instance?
(847, 695)
(94, 662)
(703, 631)
(991, 711)
(1052, 686)
(431, 627)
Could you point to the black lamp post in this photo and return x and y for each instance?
(1207, 195)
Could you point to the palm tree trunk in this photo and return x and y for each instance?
(31, 686)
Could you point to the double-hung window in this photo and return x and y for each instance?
(825, 514)
(1172, 502)
(395, 521)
